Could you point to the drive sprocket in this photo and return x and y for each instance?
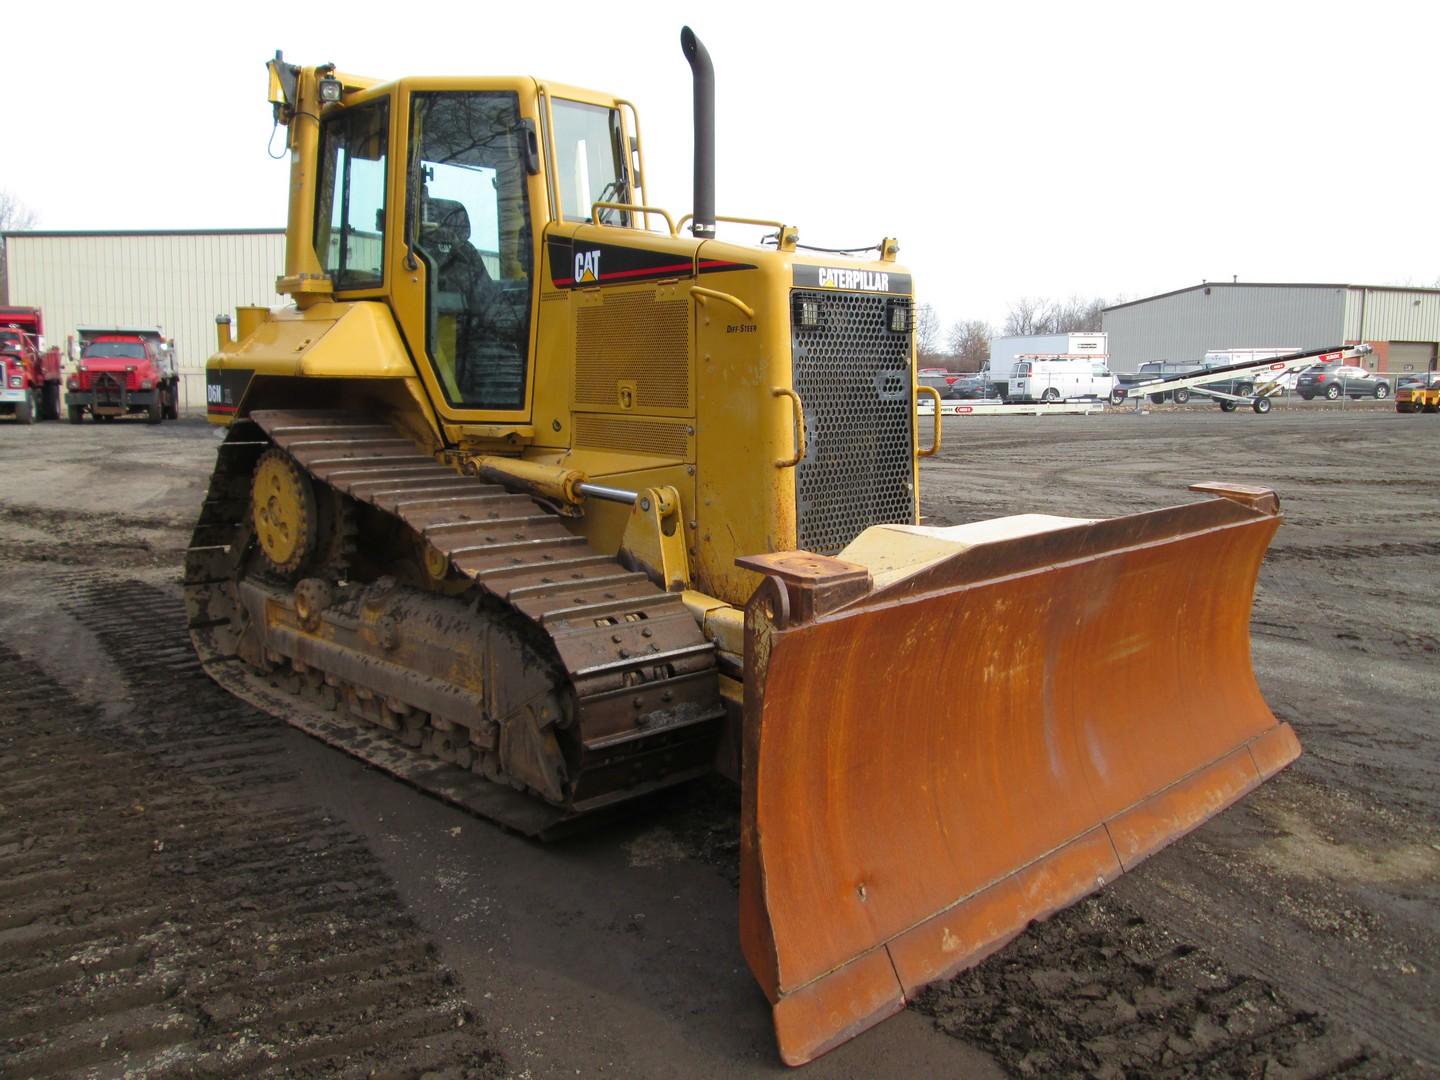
(283, 512)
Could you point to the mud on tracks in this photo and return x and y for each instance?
(171, 905)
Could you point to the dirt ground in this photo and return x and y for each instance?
(188, 886)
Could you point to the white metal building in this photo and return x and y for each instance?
(176, 280)
(1401, 323)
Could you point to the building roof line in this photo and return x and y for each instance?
(1274, 285)
(11, 233)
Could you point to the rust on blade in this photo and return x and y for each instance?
(933, 761)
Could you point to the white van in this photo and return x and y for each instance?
(1040, 378)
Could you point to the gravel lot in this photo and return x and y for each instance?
(187, 885)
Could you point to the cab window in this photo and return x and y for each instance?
(590, 160)
(114, 350)
(350, 204)
(470, 226)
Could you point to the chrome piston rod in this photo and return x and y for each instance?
(599, 491)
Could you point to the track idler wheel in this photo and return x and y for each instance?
(283, 511)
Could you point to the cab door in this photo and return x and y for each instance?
(465, 292)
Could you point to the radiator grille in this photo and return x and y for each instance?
(108, 387)
(634, 337)
(853, 375)
(633, 436)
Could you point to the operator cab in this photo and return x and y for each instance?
(453, 237)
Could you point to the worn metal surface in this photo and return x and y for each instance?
(1098, 702)
(549, 667)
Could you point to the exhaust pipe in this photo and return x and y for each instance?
(703, 223)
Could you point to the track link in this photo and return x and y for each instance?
(641, 709)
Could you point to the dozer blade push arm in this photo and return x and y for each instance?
(951, 732)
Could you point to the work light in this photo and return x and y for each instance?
(899, 317)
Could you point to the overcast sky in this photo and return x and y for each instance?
(1019, 149)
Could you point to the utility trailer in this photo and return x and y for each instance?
(1002, 408)
(1267, 373)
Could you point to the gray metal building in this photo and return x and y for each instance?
(1402, 323)
(178, 280)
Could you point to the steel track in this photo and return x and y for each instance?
(641, 674)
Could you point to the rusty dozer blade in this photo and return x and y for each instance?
(952, 732)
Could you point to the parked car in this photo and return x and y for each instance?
(970, 388)
(1330, 382)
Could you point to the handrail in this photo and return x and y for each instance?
(622, 104)
(788, 234)
(702, 294)
(797, 414)
(935, 444)
(552, 179)
(631, 208)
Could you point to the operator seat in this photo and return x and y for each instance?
(445, 237)
(480, 323)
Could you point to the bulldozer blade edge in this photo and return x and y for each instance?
(940, 748)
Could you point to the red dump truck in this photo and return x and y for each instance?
(124, 370)
(29, 373)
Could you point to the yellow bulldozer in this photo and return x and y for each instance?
(543, 500)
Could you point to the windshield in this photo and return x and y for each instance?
(590, 160)
(117, 350)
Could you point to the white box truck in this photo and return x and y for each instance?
(1005, 350)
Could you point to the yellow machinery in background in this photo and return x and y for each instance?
(1418, 399)
(543, 500)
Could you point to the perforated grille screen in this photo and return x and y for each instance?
(633, 434)
(634, 337)
(853, 375)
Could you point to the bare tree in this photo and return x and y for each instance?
(1028, 316)
(970, 344)
(1076, 316)
(927, 335)
(15, 216)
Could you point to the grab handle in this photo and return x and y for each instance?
(797, 413)
(935, 444)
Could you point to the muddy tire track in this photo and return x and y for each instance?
(171, 905)
(1100, 991)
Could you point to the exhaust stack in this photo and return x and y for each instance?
(703, 223)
